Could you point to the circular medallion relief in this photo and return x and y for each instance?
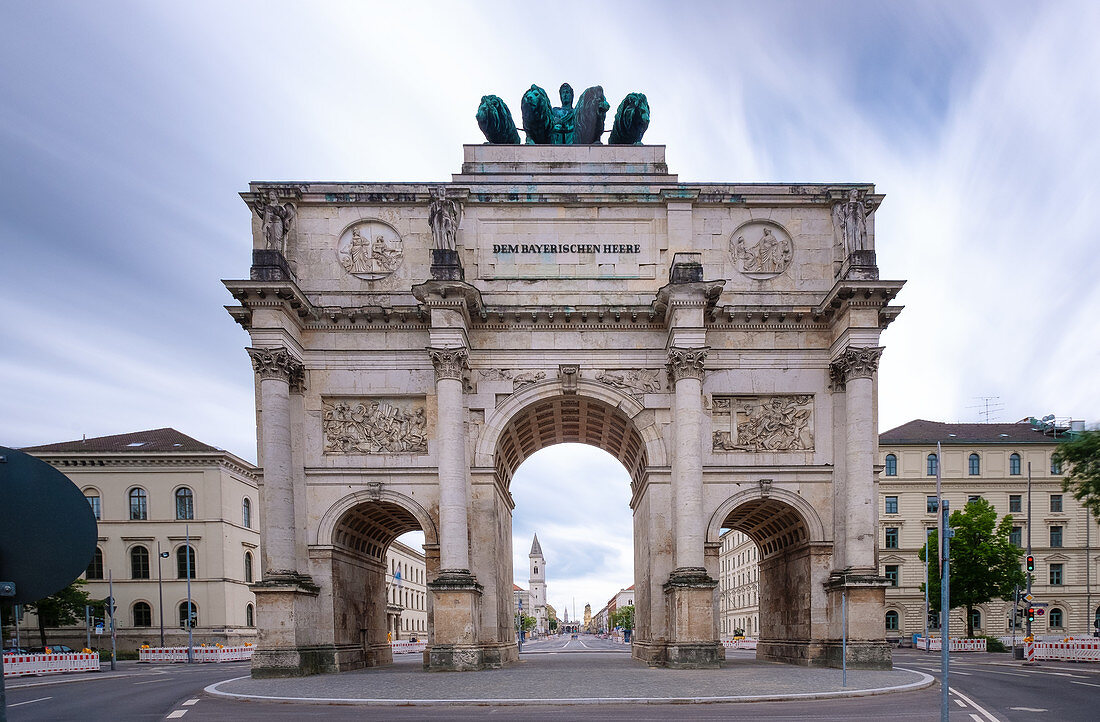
(370, 250)
(761, 249)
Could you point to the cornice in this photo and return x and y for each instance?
(91, 460)
(269, 294)
(861, 294)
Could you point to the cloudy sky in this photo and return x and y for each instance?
(127, 129)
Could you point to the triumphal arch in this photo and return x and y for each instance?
(414, 342)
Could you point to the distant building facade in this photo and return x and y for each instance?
(738, 585)
(148, 490)
(602, 621)
(407, 593)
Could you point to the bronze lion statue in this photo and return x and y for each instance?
(631, 121)
(495, 121)
(591, 111)
(537, 119)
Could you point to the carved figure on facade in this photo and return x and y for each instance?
(590, 115)
(449, 363)
(374, 427)
(686, 362)
(769, 256)
(527, 378)
(444, 215)
(276, 221)
(850, 221)
(496, 374)
(631, 121)
(564, 117)
(538, 116)
(495, 121)
(565, 125)
(764, 423)
(633, 381)
(370, 250)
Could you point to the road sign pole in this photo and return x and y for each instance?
(111, 611)
(87, 626)
(190, 606)
(1029, 538)
(945, 611)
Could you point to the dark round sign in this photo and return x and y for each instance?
(47, 528)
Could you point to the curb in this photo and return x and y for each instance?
(926, 680)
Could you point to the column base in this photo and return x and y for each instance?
(456, 645)
(689, 598)
(864, 593)
(286, 611)
(861, 655)
(469, 657)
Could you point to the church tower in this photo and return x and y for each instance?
(538, 587)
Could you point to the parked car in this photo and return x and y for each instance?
(52, 649)
(15, 650)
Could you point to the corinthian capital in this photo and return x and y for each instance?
(276, 363)
(855, 363)
(686, 363)
(449, 362)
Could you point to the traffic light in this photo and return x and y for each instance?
(1030, 563)
(1031, 614)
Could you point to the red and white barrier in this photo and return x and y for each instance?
(199, 654)
(402, 646)
(1075, 650)
(956, 645)
(739, 643)
(19, 665)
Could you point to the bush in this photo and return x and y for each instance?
(105, 655)
(992, 644)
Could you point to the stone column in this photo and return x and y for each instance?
(689, 591)
(277, 369)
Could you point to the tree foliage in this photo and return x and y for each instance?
(61, 608)
(527, 623)
(623, 617)
(1080, 460)
(985, 564)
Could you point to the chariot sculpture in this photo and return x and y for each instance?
(565, 125)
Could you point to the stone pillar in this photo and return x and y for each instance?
(286, 612)
(689, 591)
(858, 585)
(456, 592)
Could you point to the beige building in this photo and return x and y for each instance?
(601, 621)
(739, 585)
(991, 461)
(407, 610)
(147, 490)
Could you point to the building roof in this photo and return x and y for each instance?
(518, 588)
(154, 440)
(536, 548)
(920, 431)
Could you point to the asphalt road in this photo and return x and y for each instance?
(986, 688)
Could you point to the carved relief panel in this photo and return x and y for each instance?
(764, 423)
(761, 249)
(370, 250)
(374, 426)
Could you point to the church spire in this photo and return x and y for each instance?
(536, 548)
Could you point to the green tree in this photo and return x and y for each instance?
(527, 623)
(984, 563)
(61, 608)
(553, 624)
(623, 617)
(1080, 460)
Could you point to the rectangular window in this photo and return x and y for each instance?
(931, 505)
(1056, 502)
(1056, 575)
(892, 537)
(1055, 466)
(94, 502)
(1015, 504)
(1016, 537)
(1056, 536)
(973, 498)
(891, 505)
(893, 573)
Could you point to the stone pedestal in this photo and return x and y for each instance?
(865, 595)
(269, 266)
(689, 599)
(446, 266)
(287, 616)
(860, 266)
(456, 602)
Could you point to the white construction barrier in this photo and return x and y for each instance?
(739, 643)
(19, 665)
(1075, 650)
(402, 646)
(956, 645)
(200, 654)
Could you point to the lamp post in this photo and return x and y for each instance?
(190, 606)
(160, 590)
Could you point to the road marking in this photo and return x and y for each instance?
(30, 701)
(1087, 684)
(177, 714)
(1029, 709)
(190, 702)
(1014, 674)
(973, 704)
(960, 702)
(976, 718)
(154, 681)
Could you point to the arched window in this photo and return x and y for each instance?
(139, 504)
(185, 503)
(975, 465)
(892, 620)
(248, 567)
(93, 501)
(95, 569)
(1054, 617)
(1014, 464)
(194, 615)
(976, 618)
(246, 513)
(1055, 465)
(891, 465)
(143, 615)
(1095, 619)
(139, 563)
(250, 615)
(183, 555)
(933, 464)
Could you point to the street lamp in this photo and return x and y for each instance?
(160, 589)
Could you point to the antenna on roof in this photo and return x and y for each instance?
(83, 438)
(988, 407)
